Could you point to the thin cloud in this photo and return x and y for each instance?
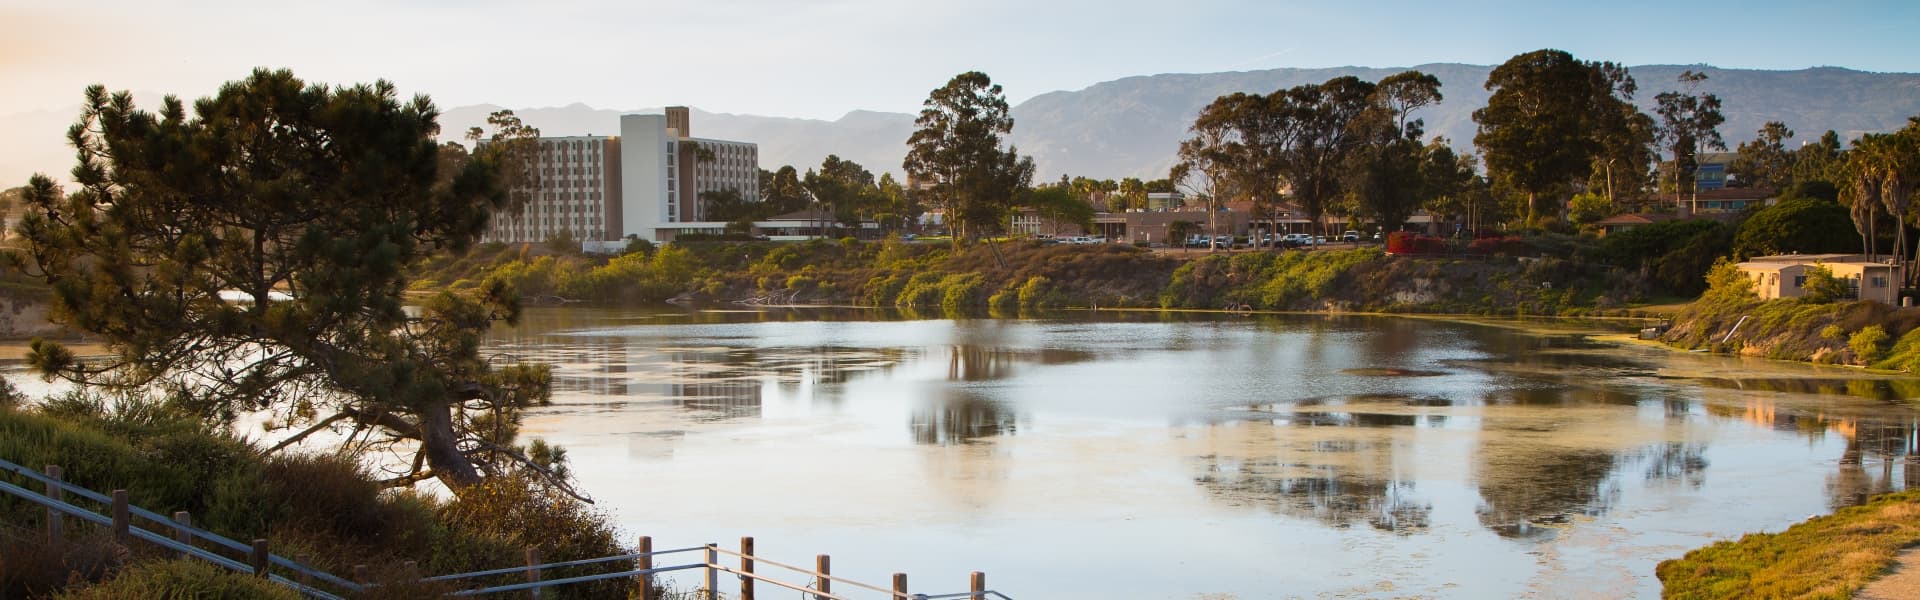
(1257, 60)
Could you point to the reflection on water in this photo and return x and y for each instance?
(959, 417)
(1440, 439)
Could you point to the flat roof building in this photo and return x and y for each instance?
(647, 182)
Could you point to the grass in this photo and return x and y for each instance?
(1825, 557)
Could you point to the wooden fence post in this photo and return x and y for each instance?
(533, 575)
(977, 585)
(824, 565)
(259, 557)
(746, 566)
(122, 519)
(646, 564)
(900, 586)
(56, 520)
(713, 574)
(181, 521)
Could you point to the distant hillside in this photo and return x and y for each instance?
(1130, 126)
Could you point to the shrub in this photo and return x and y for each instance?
(1868, 343)
(523, 514)
(922, 290)
(1502, 246)
(182, 579)
(882, 290)
(1407, 242)
(1727, 287)
(1822, 287)
(1833, 332)
(31, 566)
(1036, 293)
(960, 291)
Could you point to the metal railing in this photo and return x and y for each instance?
(64, 509)
(819, 585)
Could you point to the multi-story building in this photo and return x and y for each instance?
(648, 182)
(666, 171)
(576, 192)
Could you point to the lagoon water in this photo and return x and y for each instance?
(1148, 455)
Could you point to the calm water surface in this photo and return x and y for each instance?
(1103, 455)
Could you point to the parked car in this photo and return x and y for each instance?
(1196, 241)
(1319, 240)
(1350, 236)
(1223, 241)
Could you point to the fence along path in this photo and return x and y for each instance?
(260, 562)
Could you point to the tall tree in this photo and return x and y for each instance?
(1060, 207)
(1386, 173)
(1324, 127)
(1546, 121)
(253, 257)
(956, 150)
(1764, 162)
(1819, 161)
(842, 189)
(1688, 121)
(1208, 162)
(783, 192)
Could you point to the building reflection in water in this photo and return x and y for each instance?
(959, 416)
(1341, 466)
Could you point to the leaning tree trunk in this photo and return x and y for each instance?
(442, 448)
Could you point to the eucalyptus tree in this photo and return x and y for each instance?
(1548, 119)
(1764, 162)
(1211, 159)
(956, 153)
(252, 257)
(1325, 125)
(1688, 121)
(842, 190)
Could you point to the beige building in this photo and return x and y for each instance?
(577, 193)
(1785, 276)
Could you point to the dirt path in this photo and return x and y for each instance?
(1901, 583)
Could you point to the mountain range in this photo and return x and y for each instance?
(1130, 127)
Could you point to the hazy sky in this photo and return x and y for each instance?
(822, 58)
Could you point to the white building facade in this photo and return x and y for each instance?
(646, 182)
(665, 171)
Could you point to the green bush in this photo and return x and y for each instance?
(1867, 344)
(1037, 293)
(961, 291)
(182, 579)
(1822, 287)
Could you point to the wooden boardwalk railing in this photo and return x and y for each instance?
(819, 584)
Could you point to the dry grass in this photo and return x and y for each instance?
(1825, 557)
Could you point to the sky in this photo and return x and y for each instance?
(823, 58)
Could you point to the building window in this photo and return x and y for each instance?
(1879, 281)
(1799, 281)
